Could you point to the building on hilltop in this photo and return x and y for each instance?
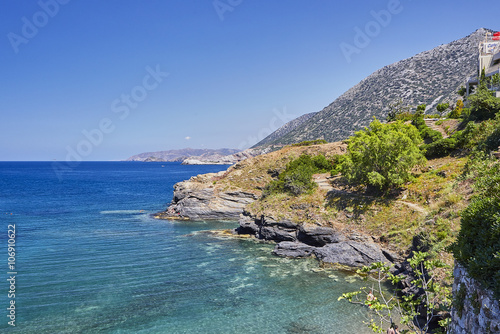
(489, 61)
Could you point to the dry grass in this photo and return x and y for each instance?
(254, 174)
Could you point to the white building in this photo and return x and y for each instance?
(489, 59)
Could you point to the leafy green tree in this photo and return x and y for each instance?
(482, 77)
(457, 111)
(388, 306)
(420, 110)
(495, 81)
(442, 107)
(382, 155)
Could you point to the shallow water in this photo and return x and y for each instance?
(90, 259)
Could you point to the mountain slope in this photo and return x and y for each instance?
(430, 77)
(293, 124)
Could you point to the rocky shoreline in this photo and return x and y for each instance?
(328, 245)
(199, 199)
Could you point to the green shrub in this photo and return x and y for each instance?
(478, 243)
(430, 134)
(427, 134)
(382, 155)
(467, 138)
(483, 105)
(404, 116)
(296, 179)
(439, 148)
(337, 162)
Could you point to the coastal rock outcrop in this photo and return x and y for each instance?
(197, 198)
(325, 243)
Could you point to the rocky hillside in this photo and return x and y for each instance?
(179, 155)
(282, 131)
(430, 77)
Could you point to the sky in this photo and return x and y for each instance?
(91, 80)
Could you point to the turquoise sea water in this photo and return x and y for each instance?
(90, 259)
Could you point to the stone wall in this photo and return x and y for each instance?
(475, 309)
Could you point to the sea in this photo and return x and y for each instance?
(86, 256)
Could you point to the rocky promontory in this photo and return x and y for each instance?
(299, 230)
(335, 223)
(199, 199)
(224, 195)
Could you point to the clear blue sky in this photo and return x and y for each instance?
(79, 66)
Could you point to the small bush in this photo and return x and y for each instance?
(483, 105)
(459, 140)
(440, 148)
(296, 179)
(404, 116)
(337, 161)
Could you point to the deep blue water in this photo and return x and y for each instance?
(90, 259)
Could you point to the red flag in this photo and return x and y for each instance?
(497, 33)
(496, 38)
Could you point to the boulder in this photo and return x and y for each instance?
(350, 253)
(293, 249)
(247, 225)
(283, 230)
(318, 236)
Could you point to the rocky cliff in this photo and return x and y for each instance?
(475, 309)
(219, 159)
(223, 196)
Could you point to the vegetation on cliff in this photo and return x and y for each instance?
(382, 155)
(477, 245)
(296, 179)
